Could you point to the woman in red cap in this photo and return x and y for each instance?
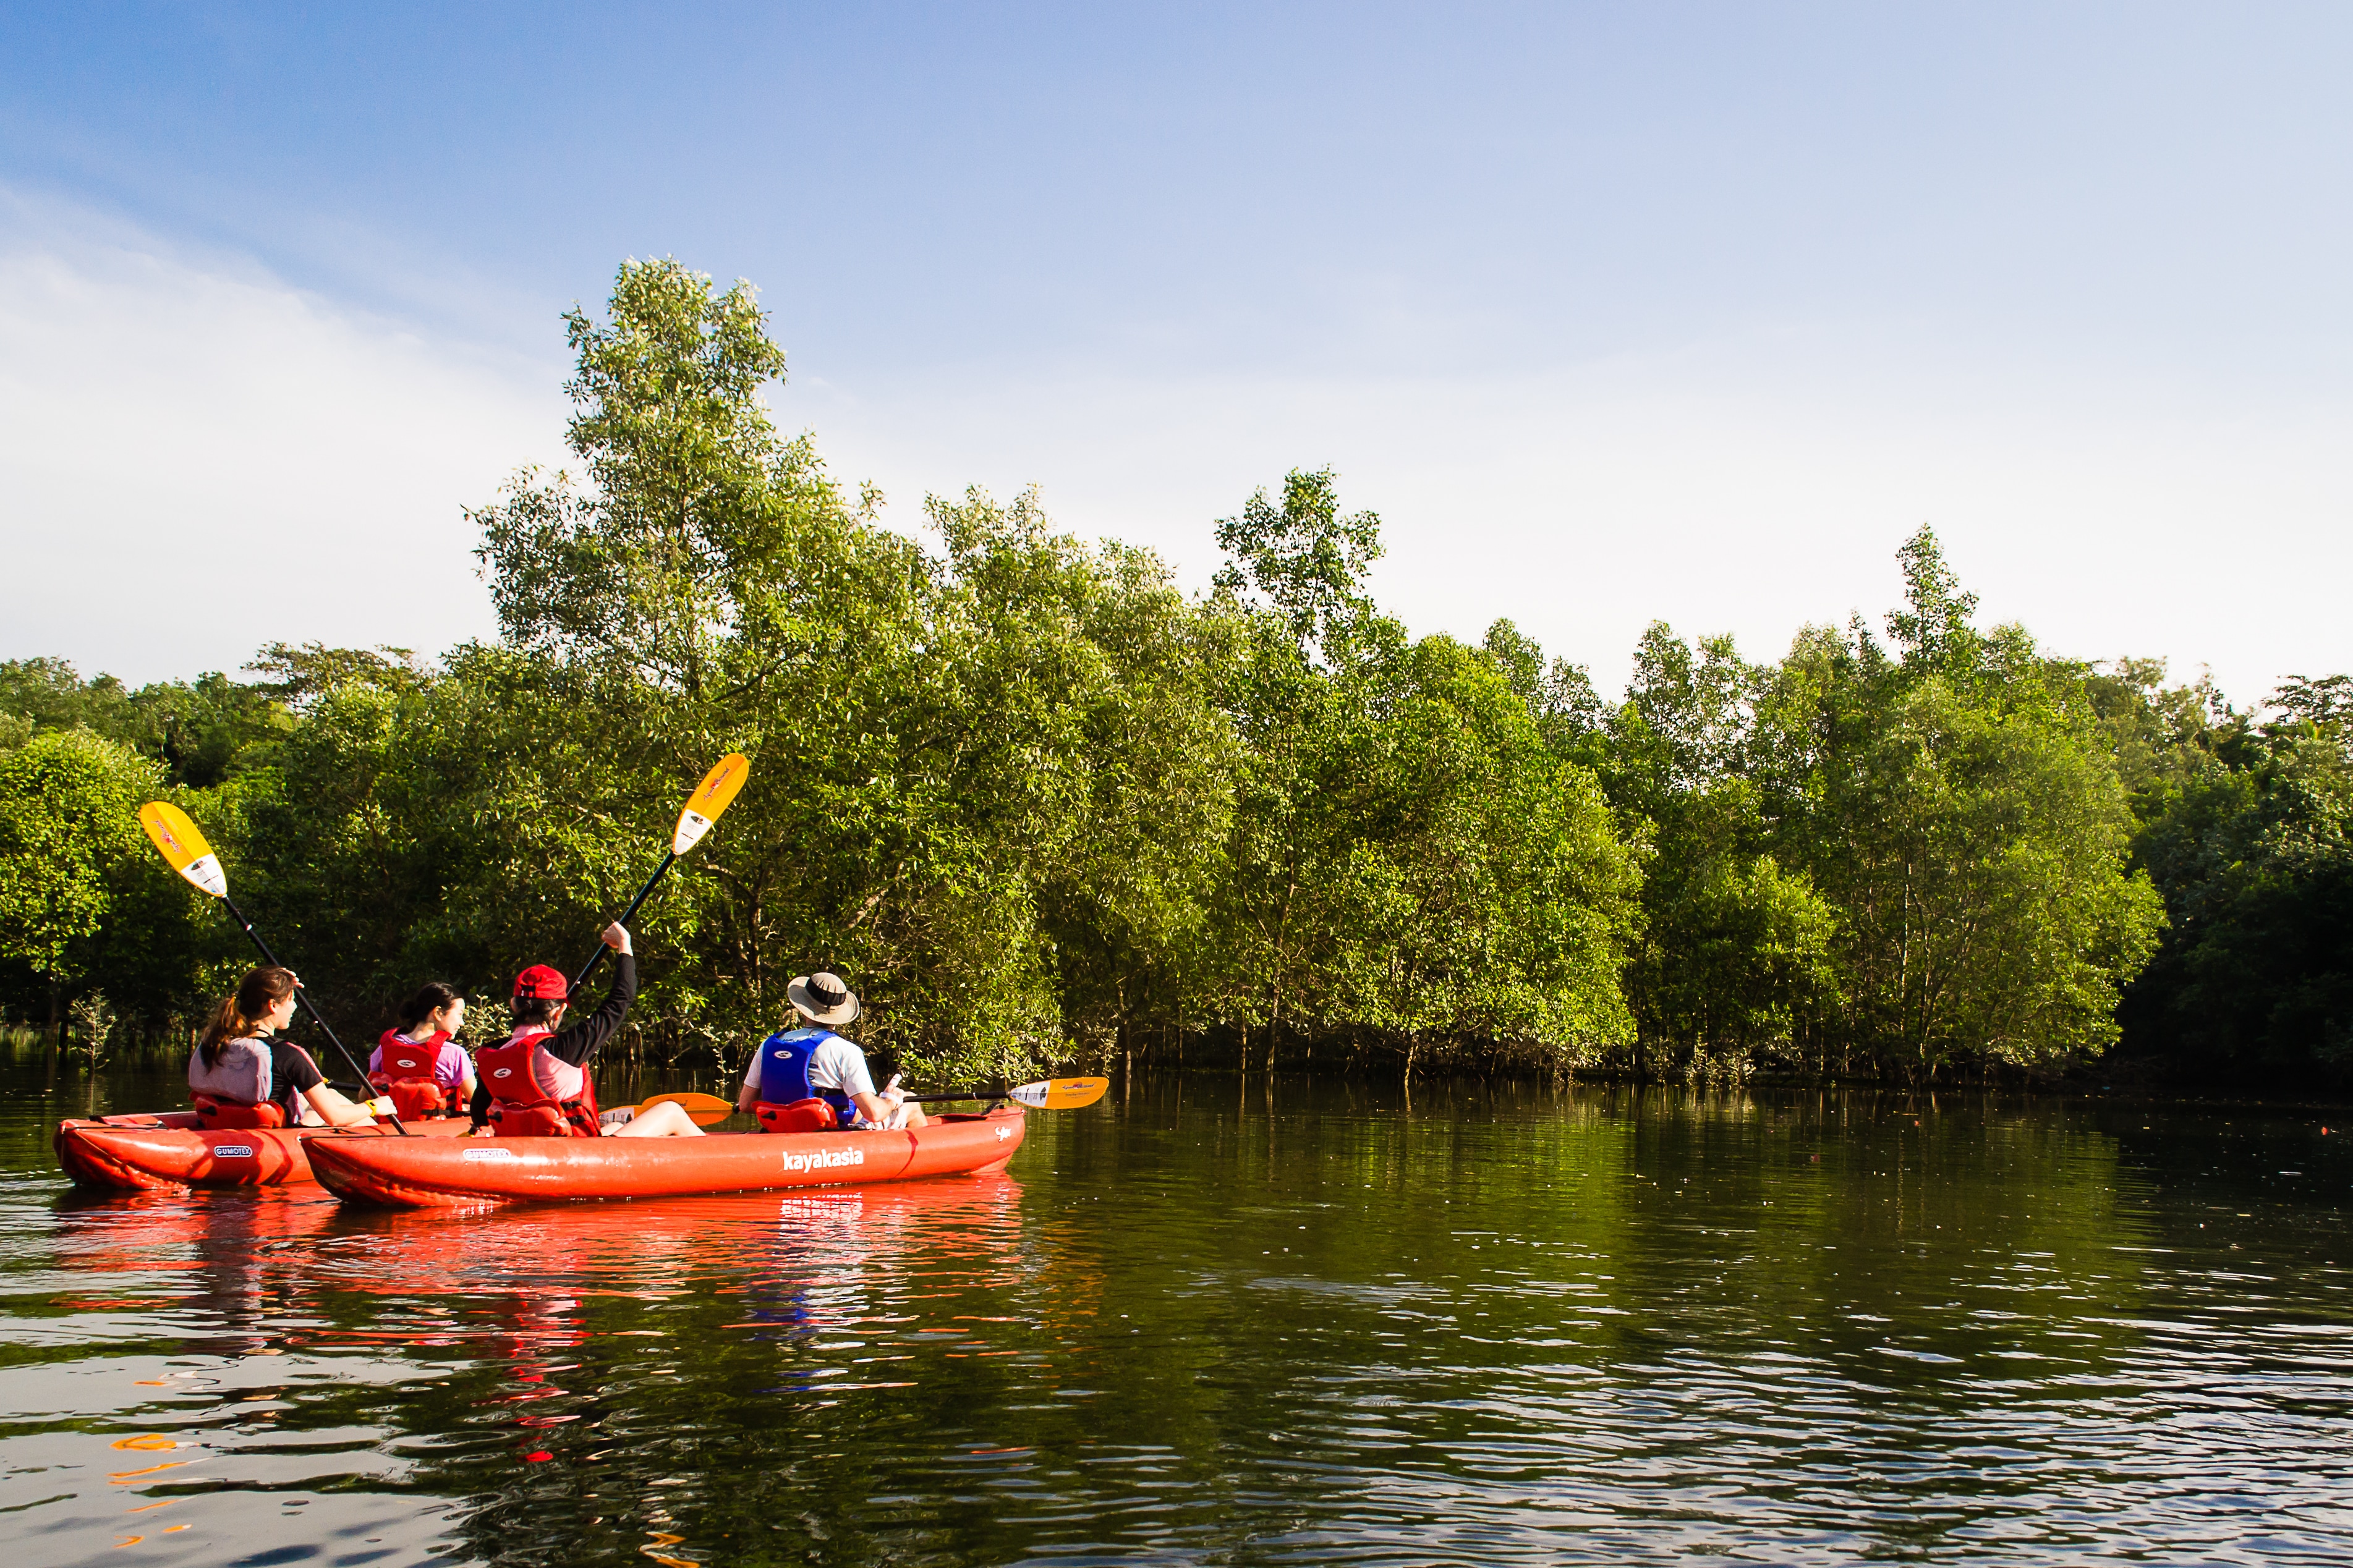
(536, 1084)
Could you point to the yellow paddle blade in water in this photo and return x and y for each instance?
(1059, 1093)
(705, 1109)
(714, 795)
(178, 840)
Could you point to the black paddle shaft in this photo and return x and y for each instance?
(597, 957)
(303, 1001)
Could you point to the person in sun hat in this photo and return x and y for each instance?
(537, 1082)
(806, 1078)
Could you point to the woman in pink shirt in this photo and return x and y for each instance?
(420, 1064)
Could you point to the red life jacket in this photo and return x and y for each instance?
(404, 1071)
(520, 1106)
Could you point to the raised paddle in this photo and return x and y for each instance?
(185, 849)
(714, 795)
(1051, 1094)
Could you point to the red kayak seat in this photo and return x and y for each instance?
(800, 1116)
(216, 1113)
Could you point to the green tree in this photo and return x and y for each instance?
(2247, 828)
(1958, 807)
(68, 820)
(989, 785)
(1411, 868)
(1735, 954)
(42, 695)
(1306, 561)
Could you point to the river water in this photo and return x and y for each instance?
(1217, 1321)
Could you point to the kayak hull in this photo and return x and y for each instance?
(474, 1173)
(135, 1153)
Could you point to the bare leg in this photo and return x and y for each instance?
(668, 1119)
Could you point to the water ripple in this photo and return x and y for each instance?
(1564, 1328)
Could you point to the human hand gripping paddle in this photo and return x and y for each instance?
(1051, 1094)
(714, 795)
(185, 849)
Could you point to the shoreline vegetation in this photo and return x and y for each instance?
(1044, 808)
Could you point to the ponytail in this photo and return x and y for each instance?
(430, 998)
(238, 1018)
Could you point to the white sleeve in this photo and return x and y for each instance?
(838, 1064)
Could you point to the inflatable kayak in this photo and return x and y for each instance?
(129, 1153)
(472, 1171)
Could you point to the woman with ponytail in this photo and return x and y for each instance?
(241, 1077)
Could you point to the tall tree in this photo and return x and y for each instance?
(68, 820)
(1958, 807)
(1412, 868)
(1735, 954)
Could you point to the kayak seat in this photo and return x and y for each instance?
(542, 1120)
(800, 1116)
(216, 1113)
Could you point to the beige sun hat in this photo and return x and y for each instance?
(822, 998)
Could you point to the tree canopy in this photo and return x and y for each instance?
(1041, 804)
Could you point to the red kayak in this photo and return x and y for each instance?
(469, 1173)
(129, 1153)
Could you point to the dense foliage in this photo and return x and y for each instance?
(1040, 804)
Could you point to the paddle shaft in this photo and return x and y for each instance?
(1048, 1094)
(303, 1000)
(597, 957)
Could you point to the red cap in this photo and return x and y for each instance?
(541, 982)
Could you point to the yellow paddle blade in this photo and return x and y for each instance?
(1059, 1093)
(705, 1109)
(176, 839)
(714, 795)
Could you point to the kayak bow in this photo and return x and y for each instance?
(132, 1154)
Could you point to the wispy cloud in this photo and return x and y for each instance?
(196, 457)
(199, 458)
(1749, 485)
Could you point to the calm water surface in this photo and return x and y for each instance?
(1207, 1323)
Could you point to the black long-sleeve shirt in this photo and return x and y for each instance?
(577, 1042)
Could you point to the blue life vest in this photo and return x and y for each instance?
(783, 1071)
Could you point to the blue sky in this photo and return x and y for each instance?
(1612, 312)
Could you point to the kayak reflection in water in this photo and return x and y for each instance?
(240, 1077)
(807, 1078)
(536, 1083)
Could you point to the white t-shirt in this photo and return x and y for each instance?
(836, 1064)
